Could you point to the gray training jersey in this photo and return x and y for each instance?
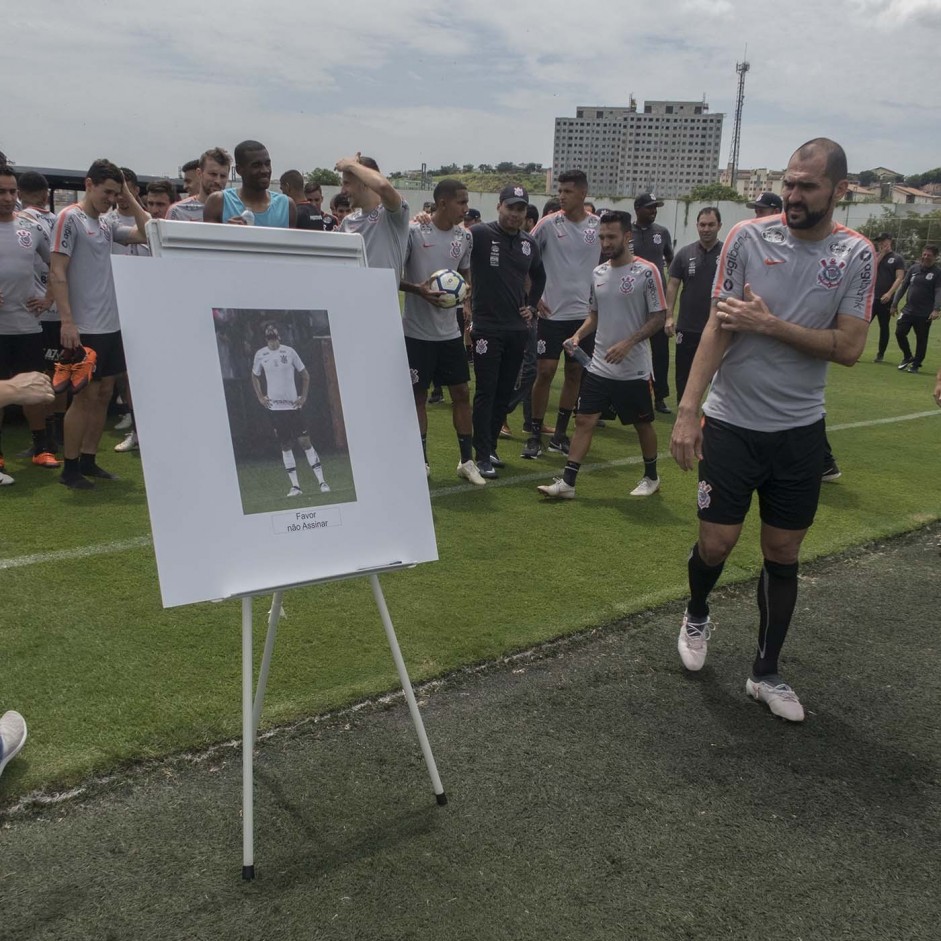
(187, 210)
(20, 242)
(46, 221)
(570, 254)
(385, 234)
(127, 224)
(624, 298)
(87, 242)
(429, 249)
(764, 384)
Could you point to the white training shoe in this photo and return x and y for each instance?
(12, 736)
(130, 443)
(693, 642)
(557, 490)
(124, 422)
(646, 487)
(427, 470)
(295, 492)
(777, 695)
(468, 470)
(325, 487)
(5, 479)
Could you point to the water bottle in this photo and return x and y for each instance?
(577, 353)
(249, 217)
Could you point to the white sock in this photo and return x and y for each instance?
(290, 466)
(314, 462)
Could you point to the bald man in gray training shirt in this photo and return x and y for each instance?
(791, 294)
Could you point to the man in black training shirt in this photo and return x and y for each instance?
(693, 266)
(890, 271)
(652, 242)
(922, 283)
(502, 258)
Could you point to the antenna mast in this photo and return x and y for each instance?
(741, 68)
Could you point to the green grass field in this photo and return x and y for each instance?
(264, 484)
(106, 677)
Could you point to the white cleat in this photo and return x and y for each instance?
(777, 695)
(557, 490)
(12, 736)
(124, 423)
(468, 470)
(295, 492)
(693, 642)
(646, 487)
(325, 487)
(5, 480)
(130, 443)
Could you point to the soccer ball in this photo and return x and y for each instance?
(452, 286)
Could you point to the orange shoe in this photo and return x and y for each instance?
(46, 459)
(83, 371)
(62, 376)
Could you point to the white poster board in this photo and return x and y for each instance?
(217, 487)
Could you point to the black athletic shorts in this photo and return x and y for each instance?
(288, 424)
(630, 399)
(784, 467)
(443, 362)
(551, 333)
(110, 351)
(51, 341)
(20, 352)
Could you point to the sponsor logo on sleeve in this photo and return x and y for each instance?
(775, 235)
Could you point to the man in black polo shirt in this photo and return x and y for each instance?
(694, 266)
(653, 243)
(890, 272)
(922, 284)
(501, 260)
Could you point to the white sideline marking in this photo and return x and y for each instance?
(141, 542)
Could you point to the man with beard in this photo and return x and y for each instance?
(212, 175)
(792, 293)
(273, 210)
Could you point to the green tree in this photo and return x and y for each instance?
(485, 168)
(920, 179)
(323, 176)
(867, 178)
(467, 168)
(714, 193)
(507, 166)
(912, 232)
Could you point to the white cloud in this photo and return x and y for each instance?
(414, 81)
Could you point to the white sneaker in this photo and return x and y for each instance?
(557, 490)
(325, 487)
(12, 736)
(125, 422)
(5, 479)
(777, 695)
(646, 487)
(427, 470)
(468, 470)
(295, 492)
(693, 642)
(129, 443)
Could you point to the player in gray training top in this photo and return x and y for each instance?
(568, 240)
(212, 174)
(792, 294)
(433, 340)
(279, 364)
(83, 289)
(380, 214)
(626, 308)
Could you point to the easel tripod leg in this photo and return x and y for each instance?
(248, 742)
(440, 796)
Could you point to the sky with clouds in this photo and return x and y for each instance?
(151, 85)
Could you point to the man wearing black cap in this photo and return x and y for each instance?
(653, 243)
(889, 275)
(767, 204)
(502, 259)
(471, 217)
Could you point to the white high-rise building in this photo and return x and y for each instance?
(667, 149)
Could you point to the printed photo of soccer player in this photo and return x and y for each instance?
(283, 401)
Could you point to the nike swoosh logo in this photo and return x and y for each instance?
(773, 261)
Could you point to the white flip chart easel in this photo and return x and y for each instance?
(207, 546)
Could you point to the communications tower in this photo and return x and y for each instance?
(741, 68)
